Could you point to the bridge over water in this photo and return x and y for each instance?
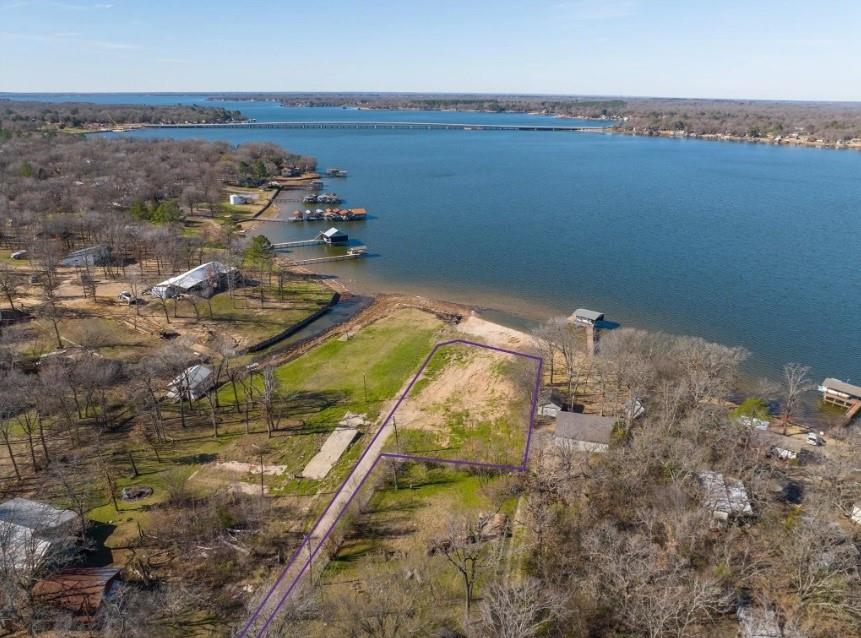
(391, 125)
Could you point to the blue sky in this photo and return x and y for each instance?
(702, 48)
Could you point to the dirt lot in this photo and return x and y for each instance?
(440, 397)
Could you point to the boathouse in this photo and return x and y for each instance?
(333, 236)
(587, 317)
(839, 392)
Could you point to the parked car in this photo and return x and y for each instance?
(128, 298)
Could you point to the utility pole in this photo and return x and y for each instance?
(365, 386)
(397, 438)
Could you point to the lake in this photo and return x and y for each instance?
(744, 244)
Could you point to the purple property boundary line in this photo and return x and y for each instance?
(243, 633)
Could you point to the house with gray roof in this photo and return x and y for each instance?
(29, 530)
(584, 432)
(193, 383)
(205, 278)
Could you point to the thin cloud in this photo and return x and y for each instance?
(68, 38)
(16, 4)
(584, 10)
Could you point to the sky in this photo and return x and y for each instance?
(757, 49)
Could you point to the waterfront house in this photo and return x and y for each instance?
(92, 256)
(29, 530)
(586, 317)
(333, 236)
(840, 392)
(549, 409)
(725, 497)
(583, 432)
(785, 448)
(79, 590)
(205, 279)
(192, 384)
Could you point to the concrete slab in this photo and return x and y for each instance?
(337, 443)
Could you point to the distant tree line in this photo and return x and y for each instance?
(830, 122)
(22, 116)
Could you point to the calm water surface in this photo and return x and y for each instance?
(752, 245)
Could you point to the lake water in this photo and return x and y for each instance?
(744, 244)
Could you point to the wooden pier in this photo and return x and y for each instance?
(287, 245)
(323, 260)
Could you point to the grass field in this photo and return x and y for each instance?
(394, 532)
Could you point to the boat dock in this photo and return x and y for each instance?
(287, 245)
(353, 253)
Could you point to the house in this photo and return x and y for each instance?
(777, 445)
(29, 530)
(586, 317)
(584, 432)
(206, 278)
(333, 236)
(92, 256)
(725, 497)
(80, 590)
(192, 384)
(549, 409)
(839, 392)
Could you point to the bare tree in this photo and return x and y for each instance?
(10, 284)
(520, 611)
(796, 382)
(461, 545)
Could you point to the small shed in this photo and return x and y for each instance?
(237, 199)
(584, 432)
(333, 236)
(856, 513)
(587, 317)
(725, 497)
(80, 590)
(193, 383)
(19, 254)
(92, 256)
(549, 409)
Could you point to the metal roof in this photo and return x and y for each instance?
(841, 386)
(592, 315)
(584, 427)
(331, 232)
(34, 515)
(724, 495)
(80, 589)
(192, 377)
(195, 276)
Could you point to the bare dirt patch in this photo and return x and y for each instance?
(469, 388)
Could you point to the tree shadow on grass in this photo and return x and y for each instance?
(193, 459)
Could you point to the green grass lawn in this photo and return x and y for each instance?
(331, 380)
